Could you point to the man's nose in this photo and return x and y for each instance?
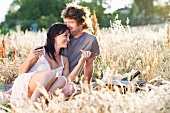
(68, 25)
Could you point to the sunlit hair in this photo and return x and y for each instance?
(79, 13)
(54, 30)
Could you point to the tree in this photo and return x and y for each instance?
(142, 11)
(162, 10)
(42, 12)
(96, 5)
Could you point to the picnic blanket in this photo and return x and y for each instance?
(5, 87)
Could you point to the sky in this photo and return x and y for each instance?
(115, 4)
(4, 7)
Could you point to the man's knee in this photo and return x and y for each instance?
(69, 89)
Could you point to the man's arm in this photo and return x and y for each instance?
(88, 70)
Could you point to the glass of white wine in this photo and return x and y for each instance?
(37, 43)
(168, 27)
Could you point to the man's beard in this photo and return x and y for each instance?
(73, 33)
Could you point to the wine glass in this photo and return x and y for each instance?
(37, 43)
(168, 27)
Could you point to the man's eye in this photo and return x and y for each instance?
(71, 22)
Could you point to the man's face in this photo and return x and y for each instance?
(73, 26)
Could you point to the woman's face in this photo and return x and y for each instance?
(62, 40)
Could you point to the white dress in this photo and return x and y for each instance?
(20, 86)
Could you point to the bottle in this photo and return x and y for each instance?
(132, 76)
(135, 75)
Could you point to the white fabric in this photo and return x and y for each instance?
(20, 86)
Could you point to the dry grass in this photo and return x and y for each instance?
(122, 49)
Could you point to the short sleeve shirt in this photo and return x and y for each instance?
(86, 42)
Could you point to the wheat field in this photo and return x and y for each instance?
(123, 48)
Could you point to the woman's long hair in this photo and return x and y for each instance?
(53, 31)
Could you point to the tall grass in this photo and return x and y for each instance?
(123, 49)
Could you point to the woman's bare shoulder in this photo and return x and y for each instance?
(65, 59)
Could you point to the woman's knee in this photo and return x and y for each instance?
(69, 89)
(62, 80)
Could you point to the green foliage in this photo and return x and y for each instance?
(42, 12)
(46, 12)
(4, 30)
(162, 10)
(46, 21)
(144, 12)
(99, 10)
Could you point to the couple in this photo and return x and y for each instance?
(54, 68)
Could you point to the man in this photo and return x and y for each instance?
(76, 17)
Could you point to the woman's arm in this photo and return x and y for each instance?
(31, 60)
(85, 56)
(88, 70)
(66, 68)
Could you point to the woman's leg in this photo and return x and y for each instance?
(6, 95)
(45, 78)
(59, 83)
(69, 89)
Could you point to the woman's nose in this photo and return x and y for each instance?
(68, 39)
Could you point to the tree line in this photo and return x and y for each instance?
(31, 14)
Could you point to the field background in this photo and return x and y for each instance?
(123, 49)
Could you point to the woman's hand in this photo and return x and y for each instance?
(31, 59)
(35, 53)
(84, 56)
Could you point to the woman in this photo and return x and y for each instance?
(46, 66)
